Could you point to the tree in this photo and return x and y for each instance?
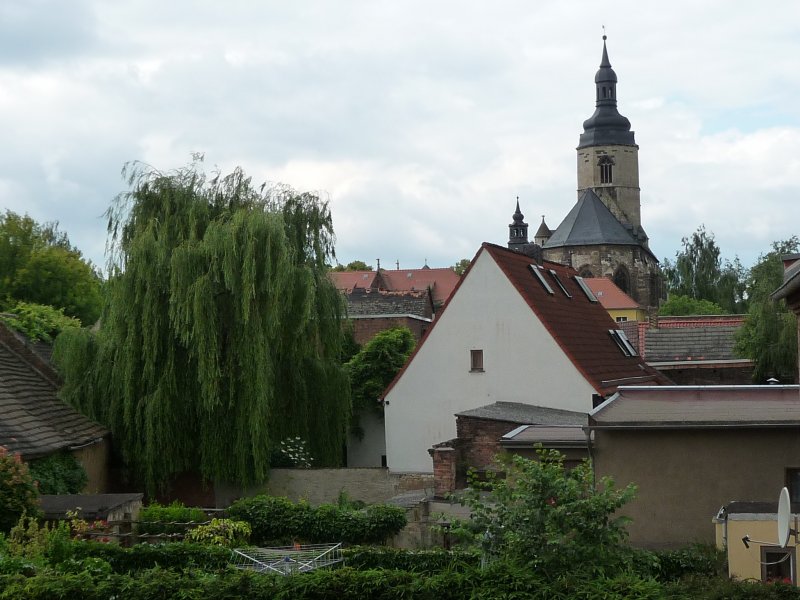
(222, 334)
(698, 273)
(18, 494)
(545, 517)
(769, 333)
(356, 265)
(374, 367)
(461, 266)
(39, 265)
(684, 305)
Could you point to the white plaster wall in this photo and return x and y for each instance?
(522, 363)
(367, 451)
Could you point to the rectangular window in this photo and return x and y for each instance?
(476, 360)
(777, 564)
(793, 483)
(582, 284)
(554, 275)
(537, 272)
(621, 319)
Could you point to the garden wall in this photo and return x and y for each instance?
(319, 486)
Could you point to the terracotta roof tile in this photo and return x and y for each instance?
(609, 295)
(441, 282)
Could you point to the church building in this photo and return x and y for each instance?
(602, 236)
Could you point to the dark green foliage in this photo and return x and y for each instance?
(276, 521)
(356, 265)
(18, 493)
(39, 265)
(769, 334)
(222, 332)
(374, 367)
(155, 517)
(544, 517)
(426, 562)
(698, 273)
(59, 473)
(696, 560)
(174, 555)
(684, 305)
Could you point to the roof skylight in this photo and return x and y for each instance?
(536, 270)
(589, 294)
(554, 275)
(622, 342)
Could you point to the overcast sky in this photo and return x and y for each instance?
(419, 121)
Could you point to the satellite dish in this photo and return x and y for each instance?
(784, 515)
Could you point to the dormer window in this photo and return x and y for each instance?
(606, 164)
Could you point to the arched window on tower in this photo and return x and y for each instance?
(622, 279)
(606, 164)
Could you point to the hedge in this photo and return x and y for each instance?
(277, 521)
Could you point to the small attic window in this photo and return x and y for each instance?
(537, 272)
(622, 342)
(554, 275)
(476, 361)
(582, 284)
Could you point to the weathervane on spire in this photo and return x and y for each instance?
(604, 32)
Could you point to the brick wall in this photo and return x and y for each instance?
(480, 440)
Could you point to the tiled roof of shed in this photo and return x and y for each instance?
(548, 435)
(364, 302)
(89, 506)
(515, 412)
(695, 406)
(691, 343)
(33, 421)
(580, 327)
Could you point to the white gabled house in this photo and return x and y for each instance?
(512, 331)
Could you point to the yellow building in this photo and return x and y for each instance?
(619, 305)
(761, 558)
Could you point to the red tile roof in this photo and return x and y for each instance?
(580, 327)
(442, 282)
(609, 295)
(347, 280)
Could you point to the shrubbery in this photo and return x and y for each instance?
(156, 518)
(59, 473)
(18, 494)
(276, 521)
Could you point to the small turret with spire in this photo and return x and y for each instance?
(518, 230)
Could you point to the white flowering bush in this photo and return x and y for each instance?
(293, 452)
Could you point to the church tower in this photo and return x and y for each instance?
(518, 230)
(602, 235)
(608, 157)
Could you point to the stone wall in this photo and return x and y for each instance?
(320, 486)
(622, 195)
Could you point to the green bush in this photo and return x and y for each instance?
(156, 518)
(418, 561)
(175, 555)
(59, 473)
(698, 559)
(18, 494)
(279, 521)
(221, 532)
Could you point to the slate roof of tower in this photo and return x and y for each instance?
(580, 327)
(33, 421)
(590, 223)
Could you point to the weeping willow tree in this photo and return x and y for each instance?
(222, 333)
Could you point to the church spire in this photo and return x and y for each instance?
(606, 125)
(518, 230)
